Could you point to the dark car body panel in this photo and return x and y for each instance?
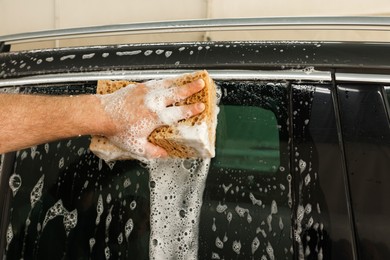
(343, 57)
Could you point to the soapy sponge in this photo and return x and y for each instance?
(189, 138)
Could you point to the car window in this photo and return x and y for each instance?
(366, 133)
(248, 133)
(322, 223)
(67, 203)
(246, 211)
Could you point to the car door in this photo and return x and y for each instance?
(64, 198)
(277, 187)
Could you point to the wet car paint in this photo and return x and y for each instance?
(335, 151)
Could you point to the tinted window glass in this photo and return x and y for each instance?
(249, 138)
(322, 221)
(246, 210)
(67, 203)
(366, 132)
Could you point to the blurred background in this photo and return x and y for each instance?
(19, 16)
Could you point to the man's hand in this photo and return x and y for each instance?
(136, 110)
(126, 117)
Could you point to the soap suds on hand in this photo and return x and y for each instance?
(164, 131)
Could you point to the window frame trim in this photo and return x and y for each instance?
(158, 74)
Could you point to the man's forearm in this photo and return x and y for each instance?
(27, 120)
(126, 117)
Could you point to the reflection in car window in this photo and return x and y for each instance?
(366, 133)
(387, 98)
(1, 162)
(249, 139)
(326, 182)
(67, 203)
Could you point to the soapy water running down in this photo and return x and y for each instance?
(176, 190)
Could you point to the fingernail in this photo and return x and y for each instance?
(163, 154)
(200, 106)
(200, 82)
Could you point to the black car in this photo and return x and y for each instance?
(302, 155)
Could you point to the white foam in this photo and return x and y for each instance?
(36, 192)
(241, 211)
(126, 183)
(236, 246)
(221, 208)
(307, 179)
(108, 219)
(148, 52)
(9, 235)
(249, 218)
(107, 253)
(281, 225)
(274, 207)
(72, 56)
(226, 187)
(197, 137)
(270, 251)
(229, 217)
(120, 238)
(108, 198)
(127, 53)
(302, 165)
(308, 208)
(214, 226)
(218, 243)
(170, 115)
(99, 209)
(92, 242)
(69, 218)
(47, 148)
(15, 182)
(133, 204)
(254, 200)
(158, 92)
(269, 222)
(255, 245)
(61, 163)
(176, 199)
(262, 231)
(129, 228)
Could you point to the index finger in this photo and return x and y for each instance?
(183, 92)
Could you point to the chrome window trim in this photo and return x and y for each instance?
(142, 75)
(358, 77)
(202, 25)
